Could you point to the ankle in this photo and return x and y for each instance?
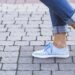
(59, 44)
(60, 40)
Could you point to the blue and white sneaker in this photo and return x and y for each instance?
(51, 51)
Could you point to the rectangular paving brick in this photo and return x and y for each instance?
(25, 54)
(21, 22)
(11, 1)
(73, 47)
(15, 38)
(7, 54)
(3, 38)
(23, 60)
(24, 72)
(36, 42)
(1, 48)
(38, 47)
(35, 22)
(45, 61)
(7, 72)
(63, 73)
(72, 53)
(65, 67)
(22, 43)
(29, 67)
(26, 48)
(33, 34)
(10, 60)
(41, 73)
(68, 60)
(11, 48)
(9, 67)
(6, 43)
(28, 38)
(49, 67)
(43, 38)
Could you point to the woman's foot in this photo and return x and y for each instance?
(51, 51)
(56, 49)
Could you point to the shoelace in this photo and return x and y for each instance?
(47, 46)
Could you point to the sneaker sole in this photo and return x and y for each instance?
(51, 56)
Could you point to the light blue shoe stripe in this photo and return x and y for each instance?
(48, 46)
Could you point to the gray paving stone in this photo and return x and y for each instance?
(15, 38)
(33, 34)
(21, 43)
(18, 34)
(38, 47)
(25, 54)
(41, 73)
(1, 48)
(10, 67)
(49, 67)
(70, 67)
(13, 26)
(35, 22)
(8, 22)
(6, 43)
(36, 42)
(72, 53)
(63, 73)
(48, 60)
(7, 72)
(9, 54)
(11, 48)
(29, 67)
(3, 29)
(24, 73)
(23, 60)
(32, 29)
(43, 38)
(4, 33)
(3, 38)
(28, 38)
(21, 22)
(16, 29)
(26, 48)
(10, 60)
(73, 47)
(68, 60)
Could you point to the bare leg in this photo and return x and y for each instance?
(60, 40)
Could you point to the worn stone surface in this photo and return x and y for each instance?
(24, 29)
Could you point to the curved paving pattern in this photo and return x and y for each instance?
(23, 29)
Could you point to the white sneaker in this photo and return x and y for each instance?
(51, 51)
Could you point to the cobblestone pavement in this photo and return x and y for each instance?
(23, 1)
(23, 29)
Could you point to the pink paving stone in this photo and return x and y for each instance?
(11, 1)
(20, 1)
(2, 1)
